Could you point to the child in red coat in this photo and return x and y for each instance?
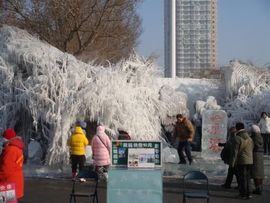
(11, 162)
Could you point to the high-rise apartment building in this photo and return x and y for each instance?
(190, 36)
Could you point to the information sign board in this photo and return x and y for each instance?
(119, 153)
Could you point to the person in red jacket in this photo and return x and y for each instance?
(11, 161)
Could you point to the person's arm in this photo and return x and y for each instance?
(109, 144)
(220, 144)
(174, 134)
(93, 146)
(8, 164)
(191, 130)
(85, 141)
(260, 123)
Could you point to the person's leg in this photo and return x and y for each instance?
(248, 180)
(268, 143)
(258, 186)
(244, 186)
(102, 172)
(240, 179)
(180, 148)
(264, 142)
(200, 138)
(229, 177)
(74, 163)
(81, 161)
(188, 151)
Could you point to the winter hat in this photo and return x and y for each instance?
(81, 123)
(9, 133)
(239, 126)
(100, 128)
(255, 129)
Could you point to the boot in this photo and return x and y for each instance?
(74, 174)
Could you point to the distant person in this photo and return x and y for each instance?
(77, 143)
(101, 146)
(197, 121)
(264, 125)
(258, 165)
(228, 148)
(184, 131)
(242, 159)
(11, 161)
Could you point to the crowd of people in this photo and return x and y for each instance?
(245, 148)
(245, 151)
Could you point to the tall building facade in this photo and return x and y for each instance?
(190, 36)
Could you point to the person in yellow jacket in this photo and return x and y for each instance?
(77, 143)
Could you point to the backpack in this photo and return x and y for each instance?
(225, 154)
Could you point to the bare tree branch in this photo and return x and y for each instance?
(89, 29)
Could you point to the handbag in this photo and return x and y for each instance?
(225, 154)
(8, 193)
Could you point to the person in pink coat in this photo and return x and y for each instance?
(101, 147)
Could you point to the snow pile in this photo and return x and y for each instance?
(43, 91)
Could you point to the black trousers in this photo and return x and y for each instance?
(77, 160)
(185, 145)
(229, 178)
(266, 143)
(243, 173)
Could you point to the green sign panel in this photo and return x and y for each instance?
(119, 154)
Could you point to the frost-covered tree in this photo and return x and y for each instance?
(247, 91)
(44, 91)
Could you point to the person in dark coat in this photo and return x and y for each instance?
(228, 145)
(242, 159)
(184, 130)
(258, 165)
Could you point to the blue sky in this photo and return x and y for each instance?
(243, 30)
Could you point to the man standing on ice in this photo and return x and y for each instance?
(184, 131)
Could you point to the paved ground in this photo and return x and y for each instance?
(57, 191)
(57, 187)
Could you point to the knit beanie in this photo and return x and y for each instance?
(255, 129)
(9, 133)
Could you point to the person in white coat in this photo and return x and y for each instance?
(264, 125)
